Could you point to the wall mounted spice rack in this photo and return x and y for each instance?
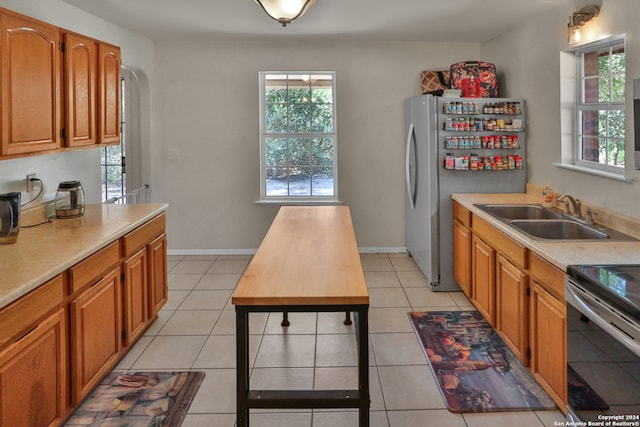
(493, 128)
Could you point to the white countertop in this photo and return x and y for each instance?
(47, 250)
(561, 254)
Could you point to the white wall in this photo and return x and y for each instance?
(529, 57)
(84, 165)
(202, 98)
(206, 106)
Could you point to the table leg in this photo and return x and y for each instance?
(362, 326)
(347, 318)
(242, 367)
(285, 319)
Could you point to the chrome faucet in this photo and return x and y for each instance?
(575, 204)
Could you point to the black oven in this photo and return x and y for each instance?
(603, 345)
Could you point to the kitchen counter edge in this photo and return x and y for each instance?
(68, 241)
(560, 254)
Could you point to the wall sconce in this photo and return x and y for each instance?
(285, 11)
(578, 19)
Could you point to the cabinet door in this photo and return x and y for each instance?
(109, 94)
(80, 76)
(135, 296)
(33, 376)
(548, 332)
(31, 85)
(158, 285)
(512, 311)
(96, 327)
(483, 278)
(462, 257)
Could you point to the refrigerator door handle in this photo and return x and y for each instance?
(410, 191)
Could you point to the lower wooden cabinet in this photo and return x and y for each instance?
(158, 284)
(61, 339)
(462, 257)
(136, 302)
(33, 376)
(548, 328)
(96, 328)
(512, 308)
(549, 343)
(144, 277)
(483, 272)
(519, 293)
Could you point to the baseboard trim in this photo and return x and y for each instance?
(211, 251)
(363, 250)
(382, 250)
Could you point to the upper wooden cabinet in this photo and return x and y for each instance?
(59, 89)
(80, 78)
(109, 93)
(31, 85)
(92, 92)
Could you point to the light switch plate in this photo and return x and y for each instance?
(173, 154)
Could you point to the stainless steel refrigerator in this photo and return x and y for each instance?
(453, 145)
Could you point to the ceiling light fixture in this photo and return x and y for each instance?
(578, 19)
(285, 11)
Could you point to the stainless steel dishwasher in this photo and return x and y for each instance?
(603, 344)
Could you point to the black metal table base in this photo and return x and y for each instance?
(298, 399)
(285, 319)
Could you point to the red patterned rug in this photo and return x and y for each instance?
(475, 370)
(150, 399)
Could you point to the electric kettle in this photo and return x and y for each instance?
(9, 217)
(69, 200)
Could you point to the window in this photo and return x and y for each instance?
(120, 165)
(298, 136)
(600, 107)
(112, 157)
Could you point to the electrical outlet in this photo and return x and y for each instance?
(30, 184)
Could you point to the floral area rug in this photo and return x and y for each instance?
(475, 370)
(139, 399)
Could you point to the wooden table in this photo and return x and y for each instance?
(307, 262)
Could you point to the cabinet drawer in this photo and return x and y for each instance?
(88, 271)
(142, 235)
(547, 275)
(462, 214)
(16, 318)
(501, 242)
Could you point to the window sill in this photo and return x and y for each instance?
(602, 174)
(299, 202)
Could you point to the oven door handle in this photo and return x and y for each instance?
(585, 304)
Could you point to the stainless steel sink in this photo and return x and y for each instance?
(517, 211)
(541, 223)
(558, 229)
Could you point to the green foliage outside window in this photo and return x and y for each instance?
(602, 109)
(299, 129)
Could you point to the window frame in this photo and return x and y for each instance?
(581, 106)
(125, 85)
(296, 199)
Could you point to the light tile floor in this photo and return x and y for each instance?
(196, 330)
